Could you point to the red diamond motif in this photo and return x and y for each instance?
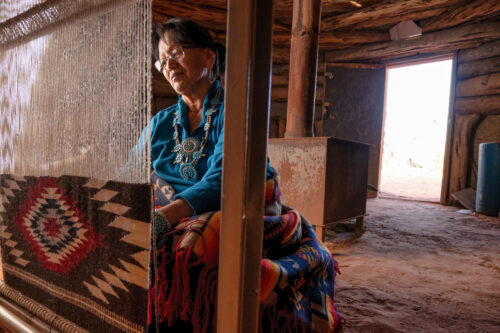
(52, 227)
(59, 234)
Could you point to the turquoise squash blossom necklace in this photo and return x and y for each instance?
(190, 150)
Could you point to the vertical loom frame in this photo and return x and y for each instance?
(248, 83)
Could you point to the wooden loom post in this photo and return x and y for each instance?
(303, 68)
(247, 102)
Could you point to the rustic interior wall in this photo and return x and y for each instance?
(354, 32)
(163, 96)
(354, 109)
(477, 110)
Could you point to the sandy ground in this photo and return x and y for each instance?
(410, 182)
(420, 267)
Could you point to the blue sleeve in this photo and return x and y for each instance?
(204, 196)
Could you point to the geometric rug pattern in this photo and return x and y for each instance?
(79, 248)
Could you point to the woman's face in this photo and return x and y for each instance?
(185, 73)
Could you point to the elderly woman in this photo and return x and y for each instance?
(187, 138)
(186, 151)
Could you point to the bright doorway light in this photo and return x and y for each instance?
(416, 115)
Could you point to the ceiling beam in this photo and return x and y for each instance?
(461, 14)
(210, 17)
(462, 37)
(484, 51)
(387, 13)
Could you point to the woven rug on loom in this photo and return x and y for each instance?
(77, 250)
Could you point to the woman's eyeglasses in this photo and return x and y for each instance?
(177, 53)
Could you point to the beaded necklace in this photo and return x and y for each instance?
(190, 150)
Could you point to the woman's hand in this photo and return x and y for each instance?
(176, 211)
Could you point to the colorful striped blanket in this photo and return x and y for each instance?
(297, 277)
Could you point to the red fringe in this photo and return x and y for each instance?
(205, 304)
(175, 300)
(179, 302)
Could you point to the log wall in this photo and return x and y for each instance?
(360, 35)
(477, 110)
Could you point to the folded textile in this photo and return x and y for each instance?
(297, 275)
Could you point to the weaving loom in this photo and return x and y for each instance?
(74, 202)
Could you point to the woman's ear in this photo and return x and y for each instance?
(210, 58)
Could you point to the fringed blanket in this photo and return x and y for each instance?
(297, 278)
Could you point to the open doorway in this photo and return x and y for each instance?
(415, 125)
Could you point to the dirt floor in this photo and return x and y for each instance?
(420, 267)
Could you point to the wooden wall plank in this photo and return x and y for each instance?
(484, 105)
(281, 54)
(485, 50)
(211, 17)
(387, 13)
(280, 93)
(445, 40)
(461, 13)
(479, 85)
(478, 67)
(331, 39)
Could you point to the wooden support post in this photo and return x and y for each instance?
(303, 68)
(445, 183)
(247, 103)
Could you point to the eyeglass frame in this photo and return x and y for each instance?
(160, 64)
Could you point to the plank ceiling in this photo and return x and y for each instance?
(345, 23)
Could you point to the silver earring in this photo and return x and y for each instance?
(211, 77)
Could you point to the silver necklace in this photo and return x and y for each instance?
(190, 150)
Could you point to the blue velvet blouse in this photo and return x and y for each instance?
(203, 193)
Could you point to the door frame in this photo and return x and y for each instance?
(417, 60)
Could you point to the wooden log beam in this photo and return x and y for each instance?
(444, 198)
(280, 93)
(338, 38)
(491, 49)
(479, 86)
(210, 14)
(248, 81)
(483, 105)
(441, 41)
(478, 67)
(278, 111)
(210, 17)
(282, 80)
(462, 14)
(281, 52)
(281, 55)
(281, 68)
(387, 13)
(303, 68)
(462, 137)
(284, 7)
(330, 40)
